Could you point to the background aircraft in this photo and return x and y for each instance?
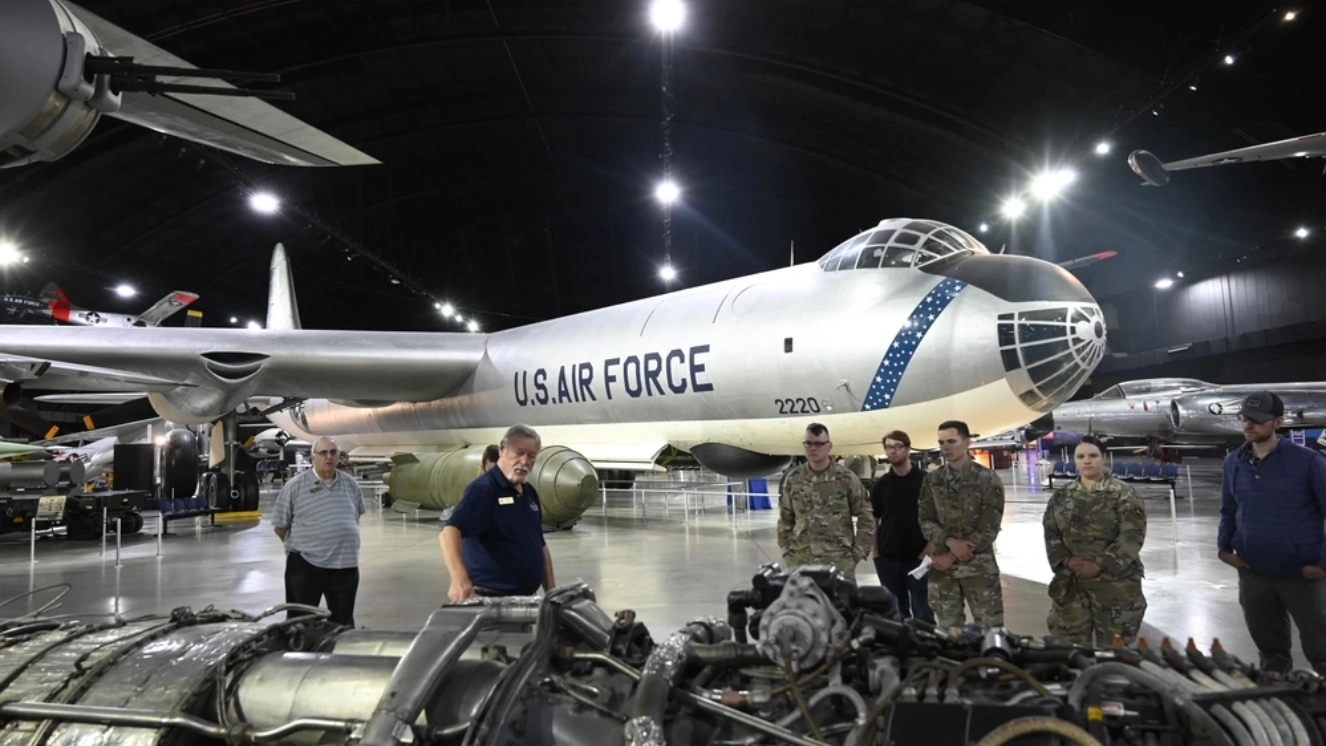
(62, 67)
(1155, 173)
(1183, 411)
(61, 309)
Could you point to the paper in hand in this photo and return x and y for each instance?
(922, 568)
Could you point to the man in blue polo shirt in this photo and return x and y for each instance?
(1273, 529)
(493, 541)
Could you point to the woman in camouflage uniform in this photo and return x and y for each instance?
(1094, 529)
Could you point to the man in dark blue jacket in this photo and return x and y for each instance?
(1273, 529)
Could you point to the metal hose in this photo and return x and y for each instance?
(955, 678)
(1300, 731)
(1232, 723)
(1258, 724)
(1037, 724)
(1162, 686)
(1268, 706)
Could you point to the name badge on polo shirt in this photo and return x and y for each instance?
(506, 501)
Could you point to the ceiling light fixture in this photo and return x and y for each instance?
(667, 15)
(264, 202)
(1051, 184)
(667, 192)
(1014, 207)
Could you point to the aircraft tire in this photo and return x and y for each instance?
(207, 487)
(83, 529)
(247, 484)
(180, 471)
(219, 492)
(131, 523)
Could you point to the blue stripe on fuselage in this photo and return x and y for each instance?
(905, 342)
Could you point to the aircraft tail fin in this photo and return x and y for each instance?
(166, 307)
(282, 313)
(56, 301)
(52, 292)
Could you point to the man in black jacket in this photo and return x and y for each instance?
(899, 545)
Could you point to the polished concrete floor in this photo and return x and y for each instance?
(662, 558)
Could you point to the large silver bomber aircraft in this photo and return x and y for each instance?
(901, 326)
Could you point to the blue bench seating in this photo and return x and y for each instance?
(184, 507)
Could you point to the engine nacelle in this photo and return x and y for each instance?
(738, 463)
(50, 103)
(566, 481)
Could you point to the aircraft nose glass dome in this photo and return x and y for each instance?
(901, 242)
(1048, 352)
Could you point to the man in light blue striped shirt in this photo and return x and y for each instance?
(317, 516)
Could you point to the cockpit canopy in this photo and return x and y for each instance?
(902, 242)
(1149, 386)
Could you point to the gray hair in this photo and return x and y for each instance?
(520, 431)
(327, 438)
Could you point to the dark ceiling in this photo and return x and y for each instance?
(521, 141)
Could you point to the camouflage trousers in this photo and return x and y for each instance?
(1092, 612)
(982, 594)
(794, 559)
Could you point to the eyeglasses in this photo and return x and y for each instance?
(814, 443)
(895, 447)
(327, 454)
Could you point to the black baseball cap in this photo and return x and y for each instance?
(1262, 407)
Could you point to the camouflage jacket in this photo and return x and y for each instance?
(815, 514)
(1105, 523)
(963, 504)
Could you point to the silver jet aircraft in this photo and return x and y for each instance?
(1154, 173)
(1183, 411)
(902, 326)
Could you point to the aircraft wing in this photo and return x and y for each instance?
(166, 307)
(1088, 260)
(87, 377)
(1155, 173)
(127, 430)
(243, 126)
(228, 365)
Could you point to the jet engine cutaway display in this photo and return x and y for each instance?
(803, 658)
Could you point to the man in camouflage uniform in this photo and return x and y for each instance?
(961, 510)
(816, 505)
(1094, 529)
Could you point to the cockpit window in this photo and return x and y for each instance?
(901, 242)
(1113, 392)
(1157, 385)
